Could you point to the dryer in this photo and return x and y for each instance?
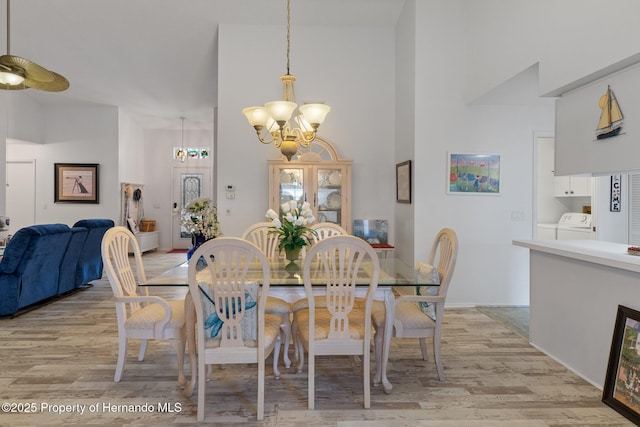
(570, 226)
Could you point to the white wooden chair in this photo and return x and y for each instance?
(139, 315)
(223, 300)
(411, 319)
(259, 235)
(327, 229)
(338, 328)
(322, 231)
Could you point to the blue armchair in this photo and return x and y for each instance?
(90, 262)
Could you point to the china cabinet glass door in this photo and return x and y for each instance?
(329, 194)
(291, 186)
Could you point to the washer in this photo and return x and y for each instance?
(571, 226)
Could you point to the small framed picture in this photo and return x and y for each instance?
(403, 182)
(133, 225)
(622, 383)
(75, 183)
(477, 174)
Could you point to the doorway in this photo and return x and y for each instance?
(188, 184)
(21, 194)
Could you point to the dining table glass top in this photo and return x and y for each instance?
(393, 272)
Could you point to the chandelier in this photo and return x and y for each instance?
(273, 122)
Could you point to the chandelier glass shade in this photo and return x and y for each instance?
(282, 122)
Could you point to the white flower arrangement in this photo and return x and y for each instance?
(201, 217)
(293, 226)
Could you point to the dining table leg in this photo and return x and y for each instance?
(190, 326)
(390, 309)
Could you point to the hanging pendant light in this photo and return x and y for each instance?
(273, 122)
(181, 153)
(18, 73)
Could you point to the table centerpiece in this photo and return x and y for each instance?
(200, 218)
(292, 229)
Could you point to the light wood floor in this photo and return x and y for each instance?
(64, 353)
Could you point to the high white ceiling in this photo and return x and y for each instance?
(155, 58)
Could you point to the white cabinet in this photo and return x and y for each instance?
(572, 186)
(323, 181)
(147, 241)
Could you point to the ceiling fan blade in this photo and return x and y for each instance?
(58, 84)
(31, 70)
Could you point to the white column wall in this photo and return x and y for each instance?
(351, 69)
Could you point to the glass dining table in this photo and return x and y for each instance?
(286, 282)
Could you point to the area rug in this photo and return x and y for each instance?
(178, 251)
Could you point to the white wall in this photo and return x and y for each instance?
(506, 36)
(21, 121)
(78, 135)
(489, 269)
(131, 149)
(158, 187)
(577, 118)
(351, 69)
(405, 129)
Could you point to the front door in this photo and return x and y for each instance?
(188, 184)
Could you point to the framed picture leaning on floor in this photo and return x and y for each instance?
(622, 383)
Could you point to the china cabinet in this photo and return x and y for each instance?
(317, 176)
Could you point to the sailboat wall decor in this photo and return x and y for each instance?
(610, 123)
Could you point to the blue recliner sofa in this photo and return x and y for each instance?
(30, 266)
(43, 261)
(90, 262)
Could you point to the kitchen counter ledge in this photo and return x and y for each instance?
(596, 251)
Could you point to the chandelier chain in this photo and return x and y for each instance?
(288, 33)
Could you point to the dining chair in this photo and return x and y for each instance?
(322, 231)
(413, 316)
(139, 315)
(259, 234)
(232, 326)
(339, 328)
(326, 229)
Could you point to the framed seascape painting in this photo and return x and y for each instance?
(473, 173)
(75, 183)
(622, 383)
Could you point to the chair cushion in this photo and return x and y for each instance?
(149, 315)
(407, 312)
(323, 320)
(271, 332)
(277, 306)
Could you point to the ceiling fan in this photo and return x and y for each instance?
(18, 73)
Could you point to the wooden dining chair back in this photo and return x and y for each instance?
(338, 328)
(420, 314)
(322, 230)
(260, 235)
(326, 229)
(229, 284)
(139, 315)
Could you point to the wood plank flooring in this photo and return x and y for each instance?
(63, 355)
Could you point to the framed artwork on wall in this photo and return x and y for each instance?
(403, 182)
(615, 200)
(473, 173)
(622, 382)
(75, 182)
